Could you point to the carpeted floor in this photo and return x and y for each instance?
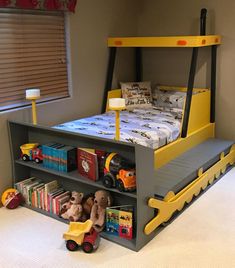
(203, 236)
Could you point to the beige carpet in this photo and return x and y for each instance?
(203, 236)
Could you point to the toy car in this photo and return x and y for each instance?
(31, 151)
(118, 173)
(82, 234)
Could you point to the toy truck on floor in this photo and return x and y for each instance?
(31, 151)
(82, 234)
(118, 173)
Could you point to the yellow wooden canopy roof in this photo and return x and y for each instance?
(173, 41)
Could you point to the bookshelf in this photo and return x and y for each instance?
(21, 133)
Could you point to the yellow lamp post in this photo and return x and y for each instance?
(33, 95)
(117, 104)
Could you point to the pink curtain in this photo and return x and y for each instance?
(64, 5)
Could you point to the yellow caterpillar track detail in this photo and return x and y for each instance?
(173, 203)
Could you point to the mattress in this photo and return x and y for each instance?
(153, 127)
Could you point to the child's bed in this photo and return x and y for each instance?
(176, 162)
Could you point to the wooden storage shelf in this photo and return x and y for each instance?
(21, 133)
(73, 175)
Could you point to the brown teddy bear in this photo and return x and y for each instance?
(72, 210)
(102, 200)
(87, 203)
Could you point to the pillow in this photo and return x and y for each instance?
(168, 98)
(137, 94)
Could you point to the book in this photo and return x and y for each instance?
(125, 224)
(56, 203)
(69, 158)
(119, 221)
(45, 153)
(38, 191)
(51, 196)
(35, 195)
(112, 221)
(101, 161)
(87, 163)
(29, 189)
(19, 185)
(61, 201)
(49, 187)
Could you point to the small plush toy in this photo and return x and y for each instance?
(102, 200)
(72, 210)
(11, 198)
(87, 204)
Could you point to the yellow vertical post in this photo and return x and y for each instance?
(117, 105)
(33, 94)
(117, 121)
(34, 112)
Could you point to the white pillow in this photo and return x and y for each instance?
(137, 94)
(168, 98)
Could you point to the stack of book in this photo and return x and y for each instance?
(47, 196)
(59, 156)
(119, 221)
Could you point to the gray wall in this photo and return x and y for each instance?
(90, 26)
(171, 66)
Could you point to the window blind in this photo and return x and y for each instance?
(32, 55)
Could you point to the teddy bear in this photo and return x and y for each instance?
(102, 200)
(72, 210)
(87, 203)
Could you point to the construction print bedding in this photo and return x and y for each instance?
(153, 127)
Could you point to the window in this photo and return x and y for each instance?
(32, 55)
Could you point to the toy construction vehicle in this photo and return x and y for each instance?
(82, 234)
(31, 151)
(118, 173)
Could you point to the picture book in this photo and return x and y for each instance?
(61, 201)
(69, 158)
(51, 195)
(19, 185)
(49, 187)
(119, 221)
(112, 221)
(87, 163)
(125, 224)
(56, 199)
(100, 158)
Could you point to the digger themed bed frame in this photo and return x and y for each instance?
(167, 178)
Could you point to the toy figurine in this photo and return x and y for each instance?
(102, 200)
(72, 210)
(87, 204)
(82, 234)
(118, 173)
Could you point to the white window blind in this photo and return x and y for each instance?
(32, 55)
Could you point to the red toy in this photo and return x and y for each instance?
(11, 198)
(31, 151)
(82, 234)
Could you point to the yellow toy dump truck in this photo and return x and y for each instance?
(82, 234)
(31, 151)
